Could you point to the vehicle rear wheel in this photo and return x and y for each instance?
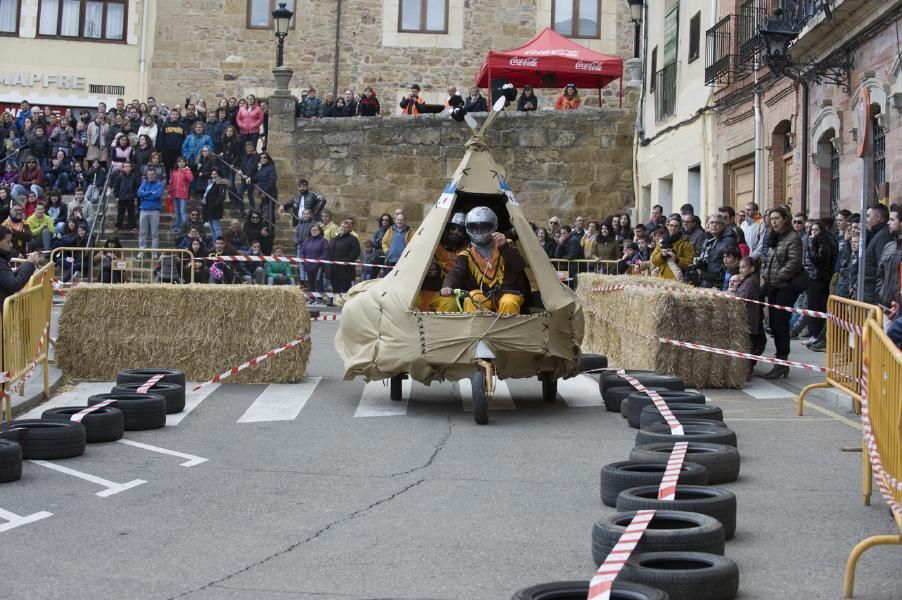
(480, 397)
(549, 387)
(578, 590)
(395, 392)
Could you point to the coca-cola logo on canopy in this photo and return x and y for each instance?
(524, 62)
(589, 66)
(558, 52)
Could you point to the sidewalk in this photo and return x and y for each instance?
(34, 386)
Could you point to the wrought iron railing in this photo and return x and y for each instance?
(665, 91)
(719, 51)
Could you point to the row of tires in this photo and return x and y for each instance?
(55, 435)
(681, 554)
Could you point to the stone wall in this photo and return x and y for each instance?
(205, 47)
(565, 163)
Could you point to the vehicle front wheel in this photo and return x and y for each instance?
(549, 387)
(395, 391)
(480, 397)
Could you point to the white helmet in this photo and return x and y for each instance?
(481, 224)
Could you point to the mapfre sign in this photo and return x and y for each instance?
(30, 80)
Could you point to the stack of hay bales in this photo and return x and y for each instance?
(202, 329)
(632, 314)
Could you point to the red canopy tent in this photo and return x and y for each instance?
(551, 60)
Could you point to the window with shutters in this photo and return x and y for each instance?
(695, 34)
(665, 86)
(834, 180)
(879, 151)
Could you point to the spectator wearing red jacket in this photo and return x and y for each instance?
(249, 118)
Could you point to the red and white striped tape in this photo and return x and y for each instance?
(667, 491)
(852, 328)
(326, 318)
(602, 583)
(675, 427)
(77, 417)
(252, 362)
(291, 259)
(150, 383)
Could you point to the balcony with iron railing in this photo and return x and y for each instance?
(665, 92)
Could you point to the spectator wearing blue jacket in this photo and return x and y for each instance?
(150, 198)
(196, 140)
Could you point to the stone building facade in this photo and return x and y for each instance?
(207, 46)
(568, 163)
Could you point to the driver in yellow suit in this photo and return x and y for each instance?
(453, 240)
(490, 268)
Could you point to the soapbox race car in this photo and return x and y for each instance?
(383, 335)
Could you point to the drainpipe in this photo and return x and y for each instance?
(640, 118)
(759, 167)
(337, 49)
(805, 97)
(142, 78)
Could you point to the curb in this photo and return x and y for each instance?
(34, 391)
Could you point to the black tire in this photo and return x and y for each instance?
(700, 412)
(624, 407)
(480, 399)
(712, 501)
(637, 401)
(395, 389)
(105, 424)
(721, 462)
(579, 590)
(141, 411)
(10, 461)
(669, 530)
(549, 387)
(619, 476)
(592, 362)
(142, 375)
(712, 432)
(610, 379)
(46, 440)
(173, 393)
(685, 575)
(614, 396)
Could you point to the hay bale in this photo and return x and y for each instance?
(634, 313)
(202, 329)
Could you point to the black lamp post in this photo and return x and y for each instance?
(281, 19)
(636, 11)
(777, 34)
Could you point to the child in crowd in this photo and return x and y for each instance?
(12, 144)
(10, 175)
(96, 177)
(372, 255)
(278, 273)
(746, 284)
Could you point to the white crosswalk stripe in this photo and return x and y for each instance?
(763, 390)
(280, 401)
(579, 391)
(375, 400)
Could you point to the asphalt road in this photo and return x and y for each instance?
(306, 494)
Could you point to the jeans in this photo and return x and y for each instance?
(21, 190)
(257, 275)
(181, 211)
(242, 188)
(215, 228)
(249, 137)
(150, 223)
(60, 183)
(276, 281)
(817, 300)
(92, 194)
(40, 241)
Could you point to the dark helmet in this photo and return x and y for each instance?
(455, 231)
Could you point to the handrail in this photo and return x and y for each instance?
(100, 213)
(235, 170)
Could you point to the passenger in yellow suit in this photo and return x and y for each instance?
(453, 240)
(490, 268)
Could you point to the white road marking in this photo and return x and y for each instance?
(111, 486)
(14, 520)
(192, 460)
(77, 396)
(501, 401)
(763, 390)
(376, 401)
(280, 401)
(192, 399)
(579, 391)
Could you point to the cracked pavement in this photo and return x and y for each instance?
(427, 506)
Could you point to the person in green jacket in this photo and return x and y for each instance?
(278, 273)
(42, 228)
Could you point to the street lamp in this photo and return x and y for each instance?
(636, 12)
(281, 19)
(777, 34)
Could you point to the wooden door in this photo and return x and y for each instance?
(742, 184)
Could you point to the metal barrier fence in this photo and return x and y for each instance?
(883, 397)
(572, 268)
(125, 265)
(26, 333)
(844, 356)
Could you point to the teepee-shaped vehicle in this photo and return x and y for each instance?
(383, 335)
